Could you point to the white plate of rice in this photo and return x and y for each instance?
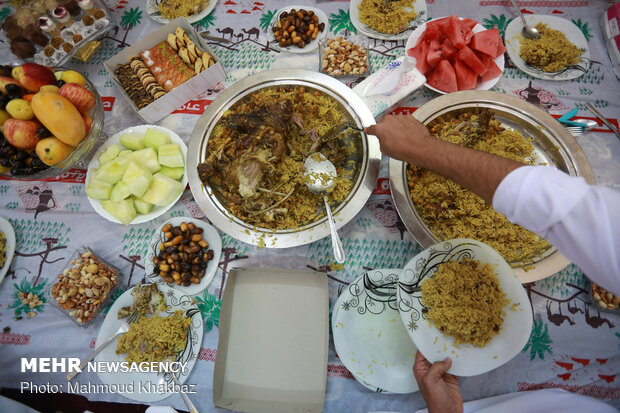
(419, 6)
(153, 11)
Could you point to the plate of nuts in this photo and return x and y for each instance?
(605, 299)
(184, 254)
(84, 286)
(344, 56)
(297, 29)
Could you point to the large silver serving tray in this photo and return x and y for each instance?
(552, 145)
(368, 158)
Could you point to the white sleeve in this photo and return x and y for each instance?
(577, 218)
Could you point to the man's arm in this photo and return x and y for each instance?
(404, 137)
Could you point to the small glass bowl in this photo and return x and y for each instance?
(94, 302)
(340, 61)
(611, 302)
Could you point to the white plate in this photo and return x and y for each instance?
(9, 233)
(153, 13)
(467, 360)
(419, 6)
(94, 163)
(512, 41)
(369, 338)
(312, 45)
(499, 60)
(210, 235)
(176, 301)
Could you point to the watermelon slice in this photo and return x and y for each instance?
(448, 49)
(491, 73)
(466, 78)
(434, 54)
(469, 23)
(420, 52)
(455, 31)
(431, 34)
(487, 42)
(439, 24)
(467, 56)
(443, 77)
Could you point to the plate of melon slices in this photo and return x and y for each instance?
(137, 175)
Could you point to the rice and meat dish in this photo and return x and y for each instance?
(147, 299)
(155, 339)
(256, 152)
(552, 52)
(171, 9)
(451, 211)
(464, 300)
(387, 16)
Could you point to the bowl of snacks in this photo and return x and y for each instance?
(137, 175)
(51, 120)
(604, 299)
(344, 56)
(184, 254)
(7, 246)
(297, 29)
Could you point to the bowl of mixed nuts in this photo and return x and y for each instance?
(84, 287)
(344, 56)
(297, 29)
(184, 254)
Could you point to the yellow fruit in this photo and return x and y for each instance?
(71, 76)
(20, 109)
(49, 88)
(59, 116)
(52, 150)
(4, 115)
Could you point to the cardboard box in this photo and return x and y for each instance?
(180, 95)
(273, 344)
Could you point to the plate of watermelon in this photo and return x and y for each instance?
(457, 54)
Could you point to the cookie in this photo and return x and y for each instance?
(131, 84)
(146, 77)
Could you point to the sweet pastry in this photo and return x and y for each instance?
(67, 47)
(23, 48)
(56, 42)
(131, 84)
(98, 14)
(88, 20)
(48, 51)
(35, 35)
(47, 25)
(77, 38)
(166, 66)
(62, 15)
(85, 4)
(188, 51)
(146, 77)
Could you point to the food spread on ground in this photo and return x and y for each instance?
(256, 152)
(44, 115)
(48, 30)
(83, 287)
(147, 299)
(171, 9)
(552, 52)
(2, 249)
(387, 16)
(453, 57)
(183, 254)
(464, 299)
(297, 28)
(450, 211)
(341, 57)
(143, 171)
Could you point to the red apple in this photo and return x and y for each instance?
(22, 134)
(5, 80)
(82, 98)
(32, 76)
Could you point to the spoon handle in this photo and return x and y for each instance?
(336, 243)
(514, 3)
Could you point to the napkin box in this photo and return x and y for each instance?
(183, 93)
(273, 343)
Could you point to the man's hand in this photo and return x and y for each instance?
(439, 389)
(400, 136)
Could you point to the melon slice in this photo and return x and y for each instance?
(443, 77)
(137, 178)
(98, 189)
(419, 52)
(110, 153)
(112, 171)
(466, 78)
(491, 73)
(133, 141)
(119, 192)
(163, 190)
(488, 42)
(142, 207)
(467, 56)
(155, 138)
(174, 173)
(146, 157)
(171, 155)
(125, 152)
(124, 210)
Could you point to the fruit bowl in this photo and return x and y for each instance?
(78, 157)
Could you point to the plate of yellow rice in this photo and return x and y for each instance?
(164, 11)
(172, 335)
(460, 299)
(387, 19)
(561, 53)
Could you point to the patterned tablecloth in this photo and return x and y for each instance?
(572, 346)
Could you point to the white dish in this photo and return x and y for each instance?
(9, 233)
(513, 35)
(499, 60)
(210, 235)
(419, 6)
(176, 301)
(153, 13)
(310, 46)
(467, 360)
(369, 338)
(94, 163)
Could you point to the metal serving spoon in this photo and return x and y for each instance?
(588, 124)
(528, 31)
(319, 175)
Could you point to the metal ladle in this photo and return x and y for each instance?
(528, 31)
(319, 176)
(588, 124)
